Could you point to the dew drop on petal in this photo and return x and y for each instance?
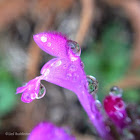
(119, 115)
(92, 84)
(64, 66)
(72, 68)
(58, 63)
(42, 92)
(98, 104)
(116, 90)
(33, 96)
(82, 65)
(68, 76)
(74, 47)
(47, 71)
(75, 76)
(43, 38)
(49, 44)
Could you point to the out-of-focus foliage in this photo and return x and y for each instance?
(8, 99)
(108, 58)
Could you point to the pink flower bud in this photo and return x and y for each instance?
(116, 110)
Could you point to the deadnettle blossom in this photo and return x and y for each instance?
(48, 131)
(67, 70)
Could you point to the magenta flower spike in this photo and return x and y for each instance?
(48, 131)
(116, 110)
(67, 71)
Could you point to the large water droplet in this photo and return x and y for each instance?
(74, 47)
(116, 90)
(42, 92)
(98, 104)
(92, 84)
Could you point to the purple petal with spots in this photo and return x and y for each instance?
(48, 131)
(52, 43)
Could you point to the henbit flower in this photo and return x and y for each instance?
(48, 131)
(67, 71)
(30, 91)
(116, 110)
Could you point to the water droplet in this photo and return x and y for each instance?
(72, 68)
(73, 58)
(74, 47)
(49, 44)
(82, 65)
(68, 75)
(58, 63)
(33, 96)
(92, 84)
(116, 90)
(98, 104)
(64, 66)
(75, 76)
(46, 72)
(120, 105)
(43, 38)
(42, 92)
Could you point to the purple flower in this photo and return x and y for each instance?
(67, 71)
(48, 131)
(30, 91)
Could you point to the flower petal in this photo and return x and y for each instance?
(65, 73)
(52, 43)
(48, 131)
